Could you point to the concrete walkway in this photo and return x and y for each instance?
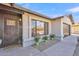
(76, 52)
(63, 48)
(20, 51)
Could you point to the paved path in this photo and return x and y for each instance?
(63, 48)
(76, 52)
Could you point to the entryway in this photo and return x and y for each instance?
(11, 30)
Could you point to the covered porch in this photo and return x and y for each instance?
(10, 26)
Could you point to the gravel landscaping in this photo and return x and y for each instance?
(45, 45)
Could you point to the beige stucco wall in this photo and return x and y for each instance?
(56, 27)
(67, 20)
(25, 28)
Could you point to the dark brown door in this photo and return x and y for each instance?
(11, 32)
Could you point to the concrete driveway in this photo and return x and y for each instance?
(62, 48)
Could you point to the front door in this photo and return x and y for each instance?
(11, 32)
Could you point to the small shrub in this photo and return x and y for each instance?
(52, 36)
(37, 39)
(45, 38)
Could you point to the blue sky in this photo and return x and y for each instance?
(54, 9)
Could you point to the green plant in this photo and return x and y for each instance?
(37, 40)
(45, 38)
(52, 36)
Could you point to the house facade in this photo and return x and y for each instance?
(63, 26)
(19, 25)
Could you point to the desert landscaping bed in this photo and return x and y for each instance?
(45, 45)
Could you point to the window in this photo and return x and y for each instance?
(46, 28)
(33, 28)
(1, 28)
(39, 28)
(11, 22)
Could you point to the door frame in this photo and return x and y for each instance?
(69, 28)
(19, 20)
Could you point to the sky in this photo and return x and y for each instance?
(54, 9)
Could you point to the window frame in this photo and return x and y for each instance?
(46, 29)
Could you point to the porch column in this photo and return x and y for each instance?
(62, 34)
(25, 28)
(50, 28)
